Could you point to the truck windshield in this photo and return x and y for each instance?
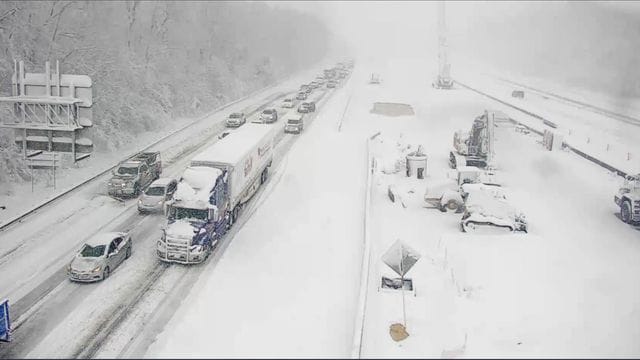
(124, 170)
(235, 116)
(155, 191)
(293, 121)
(92, 251)
(185, 213)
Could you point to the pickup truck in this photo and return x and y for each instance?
(132, 176)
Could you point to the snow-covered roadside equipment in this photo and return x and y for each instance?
(417, 163)
(212, 191)
(400, 258)
(487, 209)
(447, 196)
(628, 199)
(474, 148)
(5, 323)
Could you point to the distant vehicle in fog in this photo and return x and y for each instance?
(287, 103)
(331, 84)
(236, 119)
(307, 107)
(294, 124)
(517, 94)
(301, 96)
(99, 256)
(269, 116)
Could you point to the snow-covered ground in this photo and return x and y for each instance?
(287, 284)
(563, 289)
(34, 253)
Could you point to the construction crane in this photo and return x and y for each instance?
(444, 80)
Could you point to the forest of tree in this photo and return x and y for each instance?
(151, 61)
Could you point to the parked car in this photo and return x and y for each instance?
(99, 256)
(269, 116)
(159, 192)
(236, 119)
(307, 107)
(294, 124)
(301, 96)
(287, 103)
(133, 175)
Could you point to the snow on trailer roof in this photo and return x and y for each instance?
(235, 146)
(195, 186)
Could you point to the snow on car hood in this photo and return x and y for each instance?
(180, 229)
(84, 263)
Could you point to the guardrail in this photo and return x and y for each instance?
(356, 349)
(546, 122)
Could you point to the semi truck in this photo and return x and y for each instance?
(212, 192)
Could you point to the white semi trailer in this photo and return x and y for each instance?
(212, 192)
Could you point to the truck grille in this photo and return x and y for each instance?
(177, 248)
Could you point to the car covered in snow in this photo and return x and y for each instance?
(156, 195)
(294, 124)
(486, 208)
(268, 116)
(307, 107)
(236, 119)
(331, 84)
(99, 256)
(301, 95)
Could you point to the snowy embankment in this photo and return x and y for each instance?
(563, 289)
(287, 284)
(609, 140)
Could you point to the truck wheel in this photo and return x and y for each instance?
(128, 253)
(625, 212)
(451, 205)
(234, 214)
(106, 273)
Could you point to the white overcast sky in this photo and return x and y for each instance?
(409, 27)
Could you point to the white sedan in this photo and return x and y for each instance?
(99, 256)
